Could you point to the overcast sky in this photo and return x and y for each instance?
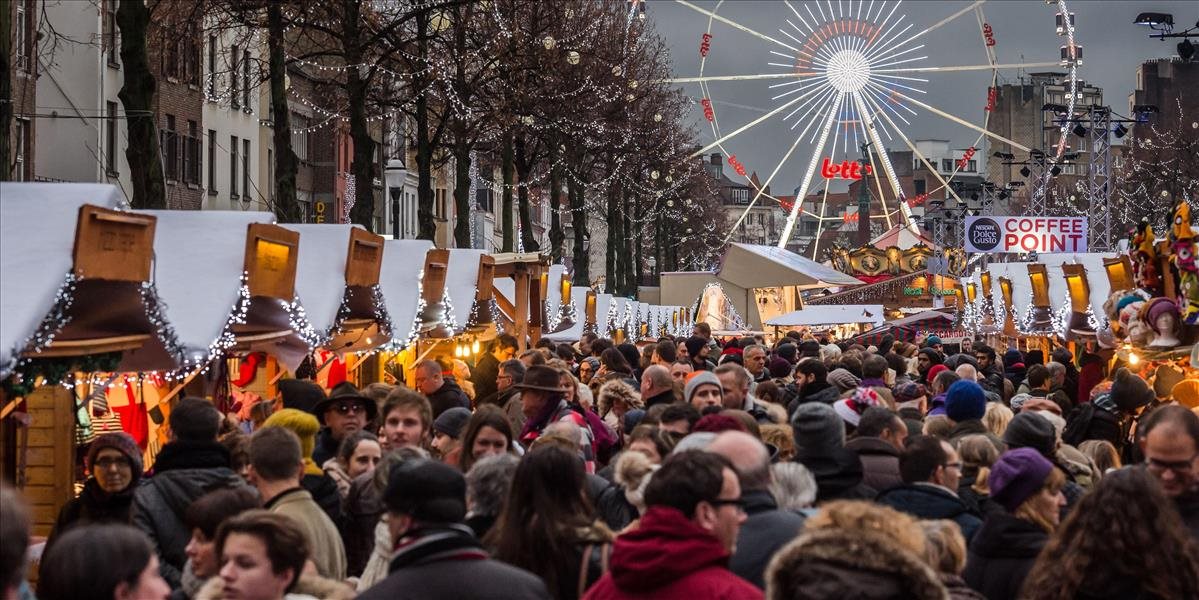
(1024, 31)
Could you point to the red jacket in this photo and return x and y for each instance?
(668, 556)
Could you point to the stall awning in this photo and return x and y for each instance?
(461, 284)
(400, 281)
(753, 266)
(834, 314)
(574, 332)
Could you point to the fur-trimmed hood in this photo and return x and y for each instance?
(614, 390)
(308, 586)
(836, 563)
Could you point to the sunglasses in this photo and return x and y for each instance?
(108, 463)
(347, 408)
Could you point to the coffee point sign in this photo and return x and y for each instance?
(1043, 235)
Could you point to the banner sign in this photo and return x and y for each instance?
(1043, 235)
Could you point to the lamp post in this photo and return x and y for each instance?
(395, 174)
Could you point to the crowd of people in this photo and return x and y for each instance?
(686, 468)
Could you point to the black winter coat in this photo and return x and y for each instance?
(929, 502)
(812, 392)
(610, 503)
(484, 375)
(324, 493)
(93, 506)
(765, 530)
(1001, 555)
(838, 475)
(184, 471)
(448, 396)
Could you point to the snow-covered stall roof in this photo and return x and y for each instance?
(461, 284)
(574, 332)
(400, 280)
(831, 314)
(603, 309)
(321, 272)
(755, 266)
(37, 237)
(553, 290)
(1017, 273)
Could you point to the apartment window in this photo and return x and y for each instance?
(245, 81)
(111, 40)
(170, 143)
(212, 161)
(234, 92)
(212, 67)
(21, 169)
(920, 185)
(740, 195)
(110, 138)
(299, 136)
(195, 49)
(233, 166)
(972, 166)
(191, 160)
(947, 164)
(22, 36)
(245, 169)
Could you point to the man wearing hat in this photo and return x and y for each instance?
(342, 413)
(447, 434)
(697, 352)
(436, 555)
(543, 402)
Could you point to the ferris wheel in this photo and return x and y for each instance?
(842, 74)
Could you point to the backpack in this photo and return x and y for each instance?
(1089, 422)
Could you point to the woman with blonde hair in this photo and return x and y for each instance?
(947, 556)
(978, 453)
(1029, 488)
(855, 549)
(1103, 454)
(997, 418)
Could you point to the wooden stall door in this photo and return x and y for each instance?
(50, 460)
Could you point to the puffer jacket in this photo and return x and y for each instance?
(1002, 554)
(309, 586)
(837, 563)
(184, 471)
(932, 502)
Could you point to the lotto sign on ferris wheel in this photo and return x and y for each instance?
(838, 74)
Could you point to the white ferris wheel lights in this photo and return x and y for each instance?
(848, 71)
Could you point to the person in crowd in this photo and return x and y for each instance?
(942, 379)
(766, 527)
(300, 394)
(1169, 440)
(978, 453)
(996, 418)
(1036, 382)
(543, 404)
(360, 452)
(342, 413)
(754, 357)
(878, 442)
(931, 471)
(679, 372)
(1029, 489)
(532, 357)
(276, 467)
(855, 549)
(631, 356)
(204, 516)
(679, 418)
(486, 374)
(447, 435)
(947, 556)
(657, 386)
(990, 373)
(115, 464)
(926, 359)
(14, 543)
(1122, 541)
(851, 407)
(966, 405)
(99, 562)
(1014, 368)
(793, 487)
(843, 379)
(1103, 454)
(616, 398)
(436, 555)
(366, 532)
(238, 445)
(665, 353)
(1057, 387)
(588, 366)
(1035, 430)
(810, 385)
(735, 381)
(507, 397)
(443, 393)
(263, 556)
(911, 399)
(613, 365)
(1069, 383)
(779, 436)
(487, 485)
(703, 390)
(874, 373)
(697, 352)
(192, 464)
(548, 528)
(681, 548)
(323, 487)
(820, 446)
(487, 433)
(407, 420)
(653, 442)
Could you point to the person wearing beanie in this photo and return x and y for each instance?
(321, 485)
(925, 361)
(965, 405)
(809, 349)
(1029, 488)
(447, 434)
(1033, 430)
(820, 446)
(1130, 392)
(703, 390)
(697, 353)
(780, 370)
(1014, 367)
(911, 395)
(850, 409)
(114, 462)
(788, 352)
(843, 379)
(934, 342)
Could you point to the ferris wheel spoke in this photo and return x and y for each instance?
(986, 67)
(745, 127)
(920, 156)
(880, 99)
(933, 27)
(872, 133)
(761, 189)
(813, 163)
(734, 24)
(898, 54)
(812, 114)
(708, 78)
(804, 86)
(960, 121)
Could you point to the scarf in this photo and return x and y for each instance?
(436, 543)
(534, 426)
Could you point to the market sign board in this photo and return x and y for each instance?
(1043, 235)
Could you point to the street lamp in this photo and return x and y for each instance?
(395, 174)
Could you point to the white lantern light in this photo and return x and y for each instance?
(549, 42)
(617, 71)
(572, 57)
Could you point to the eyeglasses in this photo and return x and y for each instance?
(347, 408)
(110, 462)
(1182, 467)
(735, 502)
(954, 465)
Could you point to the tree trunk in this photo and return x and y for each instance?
(638, 231)
(524, 168)
(287, 206)
(611, 274)
(507, 169)
(426, 228)
(578, 222)
(6, 166)
(462, 197)
(137, 97)
(363, 166)
(557, 236)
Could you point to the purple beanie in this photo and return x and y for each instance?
(123, 443)
(965, 401)
(1016, 476)
(780, 368)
